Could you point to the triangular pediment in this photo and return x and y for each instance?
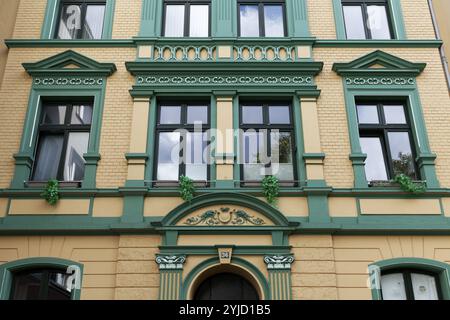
(70, 63)
(379, 62)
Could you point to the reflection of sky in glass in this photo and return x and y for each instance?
(279, 115)
(273, 19)
(393, 287)
(170, 115)
(93, 25)
(252, 115)
(168, 155)
(199, 21)
(399, 144)
(367, 114)
(378, 22)
(354, 23)
(174, 21)
(375, 166)
(394, 114)
(249, 21)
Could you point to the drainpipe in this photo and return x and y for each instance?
(441, 50)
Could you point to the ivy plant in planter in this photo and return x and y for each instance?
(187, 188)
(408, 185)
(271, 189)
(51, 192)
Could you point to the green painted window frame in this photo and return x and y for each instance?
(52, 13)
(396, 18)
(7, 271)
(441, 269)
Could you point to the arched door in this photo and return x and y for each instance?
(226, 286)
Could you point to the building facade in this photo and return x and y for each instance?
(345, 102)
(7, 21)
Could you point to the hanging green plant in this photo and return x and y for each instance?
(408, 185)
(271, 189)
(51, 192)
(187, 188)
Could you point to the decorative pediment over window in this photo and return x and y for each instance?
(219, 210)
(379, 63)
(70, 63)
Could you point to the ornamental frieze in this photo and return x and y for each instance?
(68, 81)
(224, 217)
(279, 262)
(383, 81)
(222, 80)
(170, 262)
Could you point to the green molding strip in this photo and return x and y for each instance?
(440, 268)
(224, 18)
(297, 18)
(151, 18)
(7, 271)
(52, 12)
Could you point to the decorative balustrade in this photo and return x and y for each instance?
(264, 54)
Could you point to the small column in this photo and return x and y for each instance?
(313, 156)
(137, 157)
(171, 273)
(279, 268)
(225, 156)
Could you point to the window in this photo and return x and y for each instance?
(187, 18)
(385, 136)
(267, 142)
(182, 142)
(81, 19)
(47, 284)
(406, 284)
(366, 19)
(63, 140)
(262, 18)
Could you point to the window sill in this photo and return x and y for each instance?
(176, 184)
(390, 183)
(62, 184)
(257, 184)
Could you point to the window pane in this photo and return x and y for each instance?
(368, 115)
(281, 148)
(375, 166)
(354, 23)
(168, 156)
(81, 114)
(279, 115)
(174, 21)
(93, 24)
(273, 20)
(77, 146)
(394, 114)
(196, 156)
(197, 114)
(48, 157)
(26, 286)
(70, 22)
(424, 287)
(170, 115)
(54, 115)
(249, 21)
(393, 287)
(199, 21)
(255, 155)
(58, 287)
(378, 22)
(252, 115)
(402, 158)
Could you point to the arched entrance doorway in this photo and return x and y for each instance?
(226, 286)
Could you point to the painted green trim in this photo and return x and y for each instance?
(151, 143)
(318, 209)
(51, 15)
(235, 261)
(297, 18)
(51, 79)
(325, 43)
(395, 14)
(280, 284)
(151, 18)
(299, 141)
(225, 198)
(339, 20)
(224, 18)
(213, 120)
(237, 140)
(55, 65)
(55, 43)
(8, 269)
(440, 268)
(396, 79)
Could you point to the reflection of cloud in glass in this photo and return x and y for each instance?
(249, 21)
(273, 17)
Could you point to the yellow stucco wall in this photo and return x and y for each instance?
(8, 12)
(442, 11)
